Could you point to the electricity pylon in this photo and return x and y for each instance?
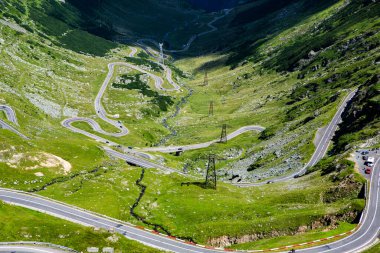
(162, 59)
(211, 172)
(211, 109)
(205, 82)
(223, 136)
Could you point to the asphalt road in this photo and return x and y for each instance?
(11, 116)
(135, 156)
(187, 46)
(28, 249)
(366, 234)
(368, 231)
(321, 148)
(21, 247)
(133, 52)
(230, 136)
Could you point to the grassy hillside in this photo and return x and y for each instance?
(19, 224)
(286, 72)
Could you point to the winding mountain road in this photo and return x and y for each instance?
(101, 112)
(230, 136)
(321, 148)
(187, 46)
(11, 116)
(364, 236)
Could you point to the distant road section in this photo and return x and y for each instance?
(321, 148)
(187, 46)
(230, 136)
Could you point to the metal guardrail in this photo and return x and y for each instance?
(43, 244)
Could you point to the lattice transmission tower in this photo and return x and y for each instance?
(162, 58)
(211, 109)
(205, 82)
(223, 136)
(211, 172)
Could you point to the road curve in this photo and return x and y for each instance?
(365, 235)
(230, 136)
(133, 52)
(134, 155)
(368, 230)
(187, 46)
(321, 148)
(100, 110)
(9, 113)
(11, 116)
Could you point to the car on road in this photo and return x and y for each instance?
(270, 182)
(365, 153)
(369, 164)
(368, 171)
(365, 158)
(371, 159)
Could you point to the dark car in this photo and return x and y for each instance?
(365, 158)
(365, 153)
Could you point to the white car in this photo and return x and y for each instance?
(371, 159)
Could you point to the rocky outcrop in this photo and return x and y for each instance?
(348, 187)
(327, 222)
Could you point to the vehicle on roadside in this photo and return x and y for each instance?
(270, 182)
(369, 164)
(368, 171)
(371, 159)
(365, 158)
(365, 153)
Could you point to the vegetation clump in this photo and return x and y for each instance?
(135, 83)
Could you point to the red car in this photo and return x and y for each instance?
(368, 171)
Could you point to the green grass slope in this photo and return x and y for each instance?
(19, 224)
(289, 79)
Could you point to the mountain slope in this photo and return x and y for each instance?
(287, 68)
